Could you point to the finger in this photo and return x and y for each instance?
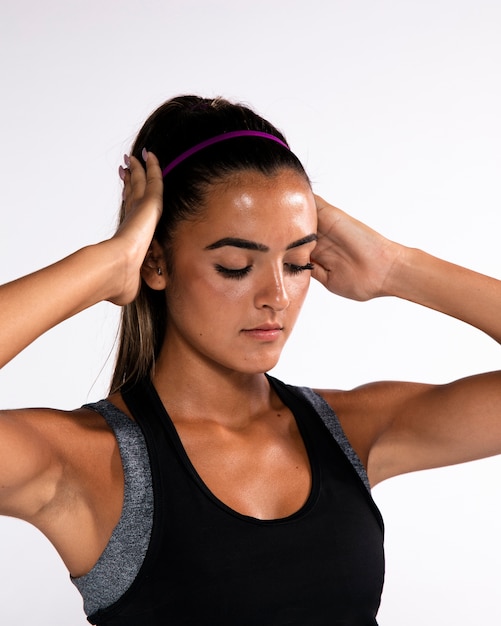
(324, 209)
(320, 202)
(320, 273)
(154, 176)
(137, 179)
(124, 174)
(154, 180)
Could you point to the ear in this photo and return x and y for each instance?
(154, 269)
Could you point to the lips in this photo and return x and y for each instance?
(264, 332)
(265, 327)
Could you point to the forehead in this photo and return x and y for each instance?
(260, 205)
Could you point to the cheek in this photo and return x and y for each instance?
(231, 289)
(215, 286)
(207, 290)
(298, 289)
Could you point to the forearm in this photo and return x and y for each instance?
(110, 270)
(35, 303)
(461, 293)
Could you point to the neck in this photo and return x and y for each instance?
(192, 388)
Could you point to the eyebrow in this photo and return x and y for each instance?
(236, 242)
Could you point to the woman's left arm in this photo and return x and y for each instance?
(402, 427)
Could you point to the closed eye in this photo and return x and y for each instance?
(297, 269)
(233, 273)
(291, 268)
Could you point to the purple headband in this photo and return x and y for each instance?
(217, 139)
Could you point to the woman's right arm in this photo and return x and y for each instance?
(35, 303)
(31, 451)
(109, 270)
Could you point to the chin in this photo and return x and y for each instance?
(260, 366)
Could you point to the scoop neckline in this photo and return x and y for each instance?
(186, 461)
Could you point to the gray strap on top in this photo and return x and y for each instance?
(330, 419)
(122, 558)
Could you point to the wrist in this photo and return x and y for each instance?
(404, 265)
(110, 261)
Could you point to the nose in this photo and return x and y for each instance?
(272, 292)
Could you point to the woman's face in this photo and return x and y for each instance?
(241, 271)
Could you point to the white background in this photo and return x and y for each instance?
(393, 106)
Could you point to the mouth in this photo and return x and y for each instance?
(264, 332)
(265, 327)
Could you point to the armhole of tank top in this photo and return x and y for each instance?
(331, 422)
(122, 559)
(141, 403)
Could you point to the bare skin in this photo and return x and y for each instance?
(61, 471)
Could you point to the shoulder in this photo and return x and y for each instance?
(58, 430)
(42, 450)
(367, 412)
(62, 472)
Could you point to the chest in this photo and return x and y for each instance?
(262, 470)
(207, 563)
(324, 559)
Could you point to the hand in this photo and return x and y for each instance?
(141, 210)
(351, 259)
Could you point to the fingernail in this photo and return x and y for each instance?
(121, 173)
(126, 160)
(144, 154)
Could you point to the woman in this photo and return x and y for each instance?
(203, 491)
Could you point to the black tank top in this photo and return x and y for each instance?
(208, 565)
